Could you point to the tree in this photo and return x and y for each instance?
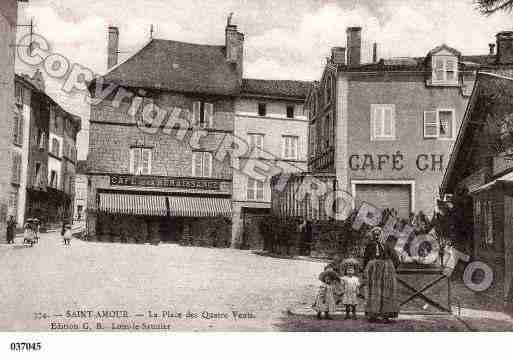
(489, 7)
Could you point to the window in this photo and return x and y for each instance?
(16, 168)
(202, 164)
(255, 190)
(256, 140)
(290, 111)
(382, 122)
(55, 147)
(328, 89)
(290, 147)
(41, 139)
(18, 90)
(445, 70)
(203, 114)
(439, 124)
(140, 160)
(18, 128)
(262, 109)
(53, 179)
(37, 174)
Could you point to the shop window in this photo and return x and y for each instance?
(290, 147)
(202, 164)
(140, 160)
(255, 190)
(203, 114)
(382, 122)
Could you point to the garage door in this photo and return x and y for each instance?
(385, 196)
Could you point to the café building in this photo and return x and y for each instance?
(157, 121)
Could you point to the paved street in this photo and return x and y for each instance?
(51, 279)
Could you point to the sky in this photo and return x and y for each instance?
(284, 39)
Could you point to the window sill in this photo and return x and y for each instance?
(443, 84)
(375, 139)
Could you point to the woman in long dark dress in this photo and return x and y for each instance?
(380, 261)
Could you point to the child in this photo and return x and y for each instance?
(67, 235)
(351, 286)
(325, 300)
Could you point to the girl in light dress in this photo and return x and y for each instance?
(325, 300)
(350, 289)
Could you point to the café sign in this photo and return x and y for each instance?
(164, 182)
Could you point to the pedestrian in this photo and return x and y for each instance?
(28, 234)
(351, 290)
(325, 299)
(63, 230)
(67, 235)
(11, 227)
(380, 261)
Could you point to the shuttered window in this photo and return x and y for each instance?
(16, 168)
(202, 164)
(203, 114)
(430, 124)
(256, 140)
(439, 124)
(140, 160)
(382, 122)
(18, 127)
(255, 190)
(392, 196)
(290, 147)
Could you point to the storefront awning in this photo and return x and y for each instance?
(507, 178)
(199, 206)
(132, 204)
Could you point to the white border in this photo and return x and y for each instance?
(411, 183)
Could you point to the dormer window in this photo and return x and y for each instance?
(445, 70)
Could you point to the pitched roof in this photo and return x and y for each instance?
(178, 66)
(486, 83)
(279, 88)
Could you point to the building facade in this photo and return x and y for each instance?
(152, 166)
(386, 128)
(479, 177)
(42, 177)
(8, 19)
(269, 117)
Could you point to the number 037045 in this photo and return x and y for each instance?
(19, 347)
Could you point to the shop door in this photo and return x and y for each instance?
(168, 230)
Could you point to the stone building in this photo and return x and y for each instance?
(8, 20)
(152, 165)
(269, 117)
(386, 127)
(45, 155)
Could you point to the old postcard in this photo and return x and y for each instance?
(242, 166)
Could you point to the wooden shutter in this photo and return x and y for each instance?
(146, 161)
(209, 114)
(197, 163)
(430, 124)
(259, 190)
(388, 122)
(377, 122)
(251, 188)
(196, 112)
(207, 164)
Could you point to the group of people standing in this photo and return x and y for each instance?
(378, 287)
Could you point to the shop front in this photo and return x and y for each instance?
(146, 215)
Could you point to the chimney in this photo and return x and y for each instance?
(492, 48)
(375, 52)
(354, 45)
(338, 55)
(505, 47)
(234, 42)
(112, 47)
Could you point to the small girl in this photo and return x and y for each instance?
(325, 300)
(351, 286)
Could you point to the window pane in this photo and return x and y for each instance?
(387, 123)
(251, 188)
(445, 128)
(260, 190)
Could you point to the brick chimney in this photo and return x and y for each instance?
(354, 45)
(112, 47)
(505, 47)
(234, 42)
(338, 55)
